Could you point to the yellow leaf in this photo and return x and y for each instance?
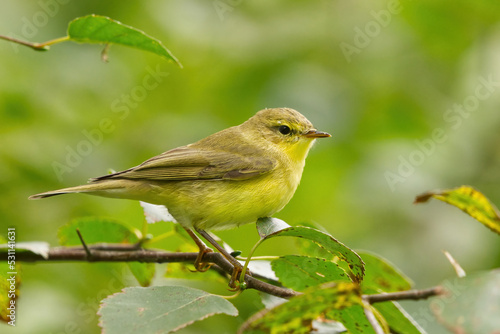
(469, 200)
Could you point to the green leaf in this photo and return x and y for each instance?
(470, 305)
(381, 275)
(398, 319)
(329, 243)
(10, 279)
(102, 29)
(143, 272)
(160, 309)
(310, 248)
(297, 315)
(353, 319)
(301, 272)
(470, 201)
(96, 230)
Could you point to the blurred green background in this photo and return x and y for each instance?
(409, 90)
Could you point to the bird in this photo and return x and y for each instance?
(230, 178)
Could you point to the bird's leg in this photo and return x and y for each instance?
(238, 268)
(198, 264)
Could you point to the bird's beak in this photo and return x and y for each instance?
(316, 134)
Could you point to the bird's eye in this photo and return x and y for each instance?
(284, 129)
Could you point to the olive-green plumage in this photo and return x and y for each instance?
(230, 178)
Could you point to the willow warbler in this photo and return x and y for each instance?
(227, 179)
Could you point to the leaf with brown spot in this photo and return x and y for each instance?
(301, 272)
(336, 301)
(469, 200)
(324, 240)
(382, 275)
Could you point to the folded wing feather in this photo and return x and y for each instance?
(192, 163)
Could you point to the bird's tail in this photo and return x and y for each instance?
(93, 187)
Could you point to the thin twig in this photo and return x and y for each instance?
(458, 269)
(87, 250)
(36, 46)
(404, 295)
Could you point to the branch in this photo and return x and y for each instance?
(404, 295)
(129, 254)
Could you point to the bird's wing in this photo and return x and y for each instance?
(191, 163)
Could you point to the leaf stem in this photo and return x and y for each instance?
(247, 261)
(144, 230)
(46, 45)
(161, 237)
(35, 46)
(233, 296)
(255, 258)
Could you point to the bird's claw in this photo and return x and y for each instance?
(235, 283)
(199, 265)
(235, 279)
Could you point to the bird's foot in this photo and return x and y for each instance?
(234, 282)
(199, 265)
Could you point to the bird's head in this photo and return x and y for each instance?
(286, 129)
